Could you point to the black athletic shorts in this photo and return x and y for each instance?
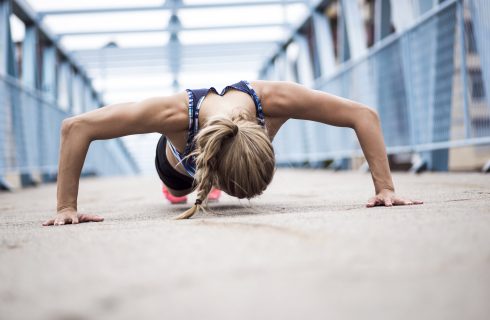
(168, 174)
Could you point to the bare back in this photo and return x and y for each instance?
(231, 103)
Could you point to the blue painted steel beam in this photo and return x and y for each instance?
(481, 28)
(304, 63)
(171, 6)
(176, 29)
(49, 73)
(29, 133)
(30, 63)
(343, 49)
(324, 44)
(49, 86)
(23, 11)
(442, 90)
(382, 19)
(65, 92)
(77, 93)
(7, 59)
(7, 67)
(94, 63)
(191, 50)
(174, 47)
(355, 28)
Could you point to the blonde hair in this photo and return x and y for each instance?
(233, 154)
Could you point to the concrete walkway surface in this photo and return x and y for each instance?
(306, 249)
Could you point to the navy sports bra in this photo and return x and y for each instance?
(196, 98)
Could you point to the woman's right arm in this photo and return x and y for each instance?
(289, 100)
(159, 114)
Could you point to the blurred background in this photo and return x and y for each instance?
(423, 64)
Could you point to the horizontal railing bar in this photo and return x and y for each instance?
(175, 29)
(169, 6)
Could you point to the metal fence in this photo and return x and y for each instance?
(429, 83)
(30, 137)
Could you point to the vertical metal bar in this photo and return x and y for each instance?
(445, 41)
(7, 59)
(382, 19)
(28, 110)
(4, 62)
(30, 74)
(65, 90)
(355, 28)
(76, 86)
(305, 129)
(305, 68)
(87, 94)
(342, 40)
(4, 35)
(406, 65)
(49, 83)
(464, 76)
(324, 44)
(49, 87)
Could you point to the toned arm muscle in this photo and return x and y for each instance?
(160, 114)
(291, 100)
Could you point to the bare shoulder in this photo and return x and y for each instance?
(288, 100)
(278, 96)
(269, 93)
(171, 103)
(161, 114)
(167, 113)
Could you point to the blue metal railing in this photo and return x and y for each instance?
(423, 82)
(30, 126)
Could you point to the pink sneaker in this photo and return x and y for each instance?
(214, 195)
(173, 199)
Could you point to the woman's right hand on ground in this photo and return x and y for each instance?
(71, 216)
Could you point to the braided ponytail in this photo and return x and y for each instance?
(209, 141)
(235, 155)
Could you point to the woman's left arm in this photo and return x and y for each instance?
(291, 100)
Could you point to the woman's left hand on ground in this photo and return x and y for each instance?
(388, 198)
(71, 216)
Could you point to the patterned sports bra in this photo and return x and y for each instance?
(196, 97)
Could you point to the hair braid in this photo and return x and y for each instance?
(209, 142)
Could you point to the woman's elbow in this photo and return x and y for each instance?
(372, 114)
(366, 114)
(71, 126)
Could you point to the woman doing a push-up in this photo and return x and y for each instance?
(217, 140)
